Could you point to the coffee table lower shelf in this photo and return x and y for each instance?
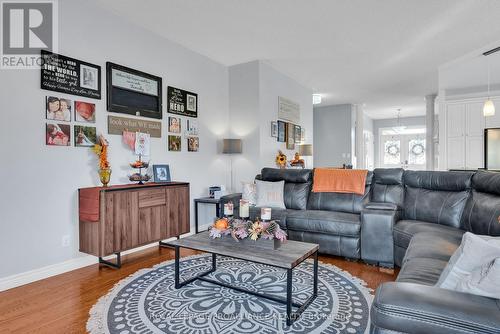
(290, 315)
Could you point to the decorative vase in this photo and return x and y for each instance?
(104, 176)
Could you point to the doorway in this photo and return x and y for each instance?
(402, 147)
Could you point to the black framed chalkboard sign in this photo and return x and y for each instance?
(70, 76)
(133, 92)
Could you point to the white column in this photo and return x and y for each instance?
(429, 125)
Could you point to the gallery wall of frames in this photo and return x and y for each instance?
(70, 110)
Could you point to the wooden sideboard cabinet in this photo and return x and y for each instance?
(130, 216)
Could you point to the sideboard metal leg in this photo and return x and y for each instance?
(110, 264)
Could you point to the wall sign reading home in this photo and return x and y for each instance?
(71, 76)
(182, 102)
(133, 92)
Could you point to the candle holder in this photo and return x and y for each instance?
(265, 214)
(244, 209)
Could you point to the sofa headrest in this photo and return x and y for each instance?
(388, 176)
(486, 182)
(443, 181)
(288, 175)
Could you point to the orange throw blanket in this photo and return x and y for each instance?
(332, 180)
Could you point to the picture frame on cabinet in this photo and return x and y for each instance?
(161, 173)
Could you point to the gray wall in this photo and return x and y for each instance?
(333, 135)
(387, 123)
(39, 202)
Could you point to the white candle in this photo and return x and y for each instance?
(265, 213)
(244, 209)
(228, 209)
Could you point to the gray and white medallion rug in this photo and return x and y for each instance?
(147, 301)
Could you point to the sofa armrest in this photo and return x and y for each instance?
(377, 240)
(234, 198)
(381, 206)
(415, 308)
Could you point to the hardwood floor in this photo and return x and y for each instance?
(61, 304)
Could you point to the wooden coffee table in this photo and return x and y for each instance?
(288, 256)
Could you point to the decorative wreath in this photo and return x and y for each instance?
(392, 149)
(418, 149)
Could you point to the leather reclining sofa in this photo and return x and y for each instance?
(411, 219)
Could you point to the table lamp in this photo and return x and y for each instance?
(305, 150)
(231, 146)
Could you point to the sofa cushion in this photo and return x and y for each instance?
(474, 251)
(387, 185)
(350, 203)
(327, 222)
(432, 245)
(422, 271)
(297, 185)
(482, 212)
(404, 230)
(270, 194)
(436, 197)
(287, 175)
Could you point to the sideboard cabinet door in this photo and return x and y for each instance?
(152, 214)
(177, 212)
(121, 221)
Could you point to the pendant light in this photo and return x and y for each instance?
(489, 107)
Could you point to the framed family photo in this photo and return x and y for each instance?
(161, 173)
(58, 108)
(274, 129)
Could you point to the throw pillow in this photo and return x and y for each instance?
(249, 192)
(474, 251)
(270, 194)
(484, 281)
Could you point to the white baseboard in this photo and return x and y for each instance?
(31, 276)
(16, 280)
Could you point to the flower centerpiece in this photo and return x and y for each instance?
(241, 230)
(281, 159)
(101, 150)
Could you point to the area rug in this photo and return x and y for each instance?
(147, 301)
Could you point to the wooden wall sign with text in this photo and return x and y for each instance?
(116, 126)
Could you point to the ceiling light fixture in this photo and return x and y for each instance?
(399, 128)
(316, 98)
(489, 107)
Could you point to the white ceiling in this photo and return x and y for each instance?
(383, 53)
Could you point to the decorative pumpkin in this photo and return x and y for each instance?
(221, 224)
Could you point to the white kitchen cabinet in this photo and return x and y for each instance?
(456, 152)
(465, 125)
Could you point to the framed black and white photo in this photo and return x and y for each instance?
(182, 102)
(297, 134)
(70, 76)
(281, 131)
(133, 92)
(274, 129)
(89, 77)
(161, 173)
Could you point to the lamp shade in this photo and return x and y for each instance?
(489, 108)
(306, 150)
(231, 146)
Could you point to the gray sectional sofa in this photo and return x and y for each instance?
(411, 219)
